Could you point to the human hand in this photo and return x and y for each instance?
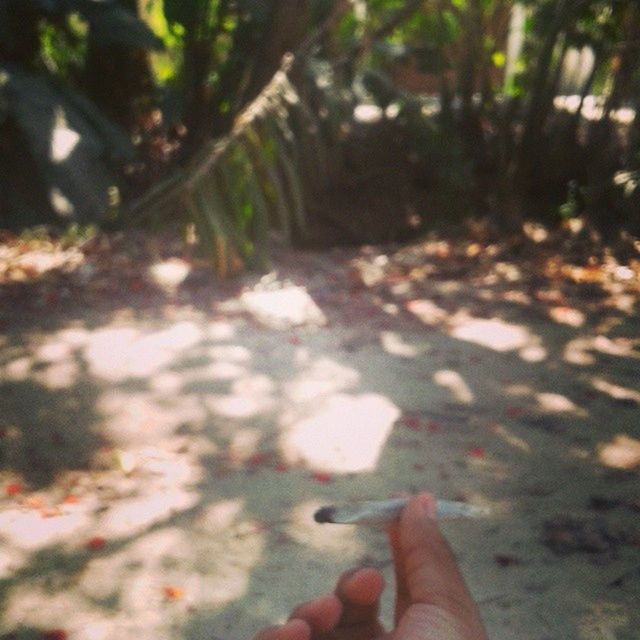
(432, 600)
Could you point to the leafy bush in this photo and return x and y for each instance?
(54, 136)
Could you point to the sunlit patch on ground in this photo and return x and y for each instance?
(320, 378)
(456, 385)
(345, 435)
(283, 306)
(623, 452)
(557, 403)
(494, 334)
(393, 343)
(616, 391)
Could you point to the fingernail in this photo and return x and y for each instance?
(427, 505)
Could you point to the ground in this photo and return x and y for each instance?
(166, 436)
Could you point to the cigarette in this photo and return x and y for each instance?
(376, 512)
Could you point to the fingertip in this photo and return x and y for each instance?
(363, 587)
(321, 614)
(294, 629)
(426, 504)
(297, 629)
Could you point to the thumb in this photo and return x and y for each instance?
(426, 569)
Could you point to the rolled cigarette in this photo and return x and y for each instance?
(376, 512)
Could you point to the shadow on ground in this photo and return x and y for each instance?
(162, 460)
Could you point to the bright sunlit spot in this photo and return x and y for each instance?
(249, 396)
(623, 452)
(368, 113)
(394, 343)
(510, 438)
(119, 353)
(494, 334)
(134, 418)
(60, 203)
(346, 435)
(28, 530)
(616, 391)
(427, 311)
(557, 403)
(131, 516)
(63, 139)
(577, 351)
(455, 384)
(320, 378)
(283, 306)
(169, 274)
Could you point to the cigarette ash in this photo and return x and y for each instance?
(324, 515)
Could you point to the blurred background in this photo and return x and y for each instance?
(259, 257)
(392, 116)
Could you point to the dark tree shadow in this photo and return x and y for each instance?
(44, 431)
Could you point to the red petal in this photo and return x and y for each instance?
(96, 543)
(477, 453)
(411, 422)
(322, 478)
(434, 427)
(259, 459)
(14, 489)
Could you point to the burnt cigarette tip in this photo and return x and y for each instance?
(324, 515)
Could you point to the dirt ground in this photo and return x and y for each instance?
(166, 437)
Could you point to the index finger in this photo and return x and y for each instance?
(426, 569)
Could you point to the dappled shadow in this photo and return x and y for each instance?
(212, 430)
(47, 428)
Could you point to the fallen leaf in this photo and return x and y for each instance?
(34, 502)
(173, 593)
(71, 499)
(260, 459)
(96, 543)
(136, 285)
(14, 489)
(477, 453)
(411, 422)
(322, 478)
(433, 426)
(281, 467)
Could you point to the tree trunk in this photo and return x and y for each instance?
(532, 138)
(469, 77)
(626, 60)
(119, 79)
(289, 23)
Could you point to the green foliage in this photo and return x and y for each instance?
(74, 146)
(497, 121)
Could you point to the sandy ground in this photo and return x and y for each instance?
(162, 460)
